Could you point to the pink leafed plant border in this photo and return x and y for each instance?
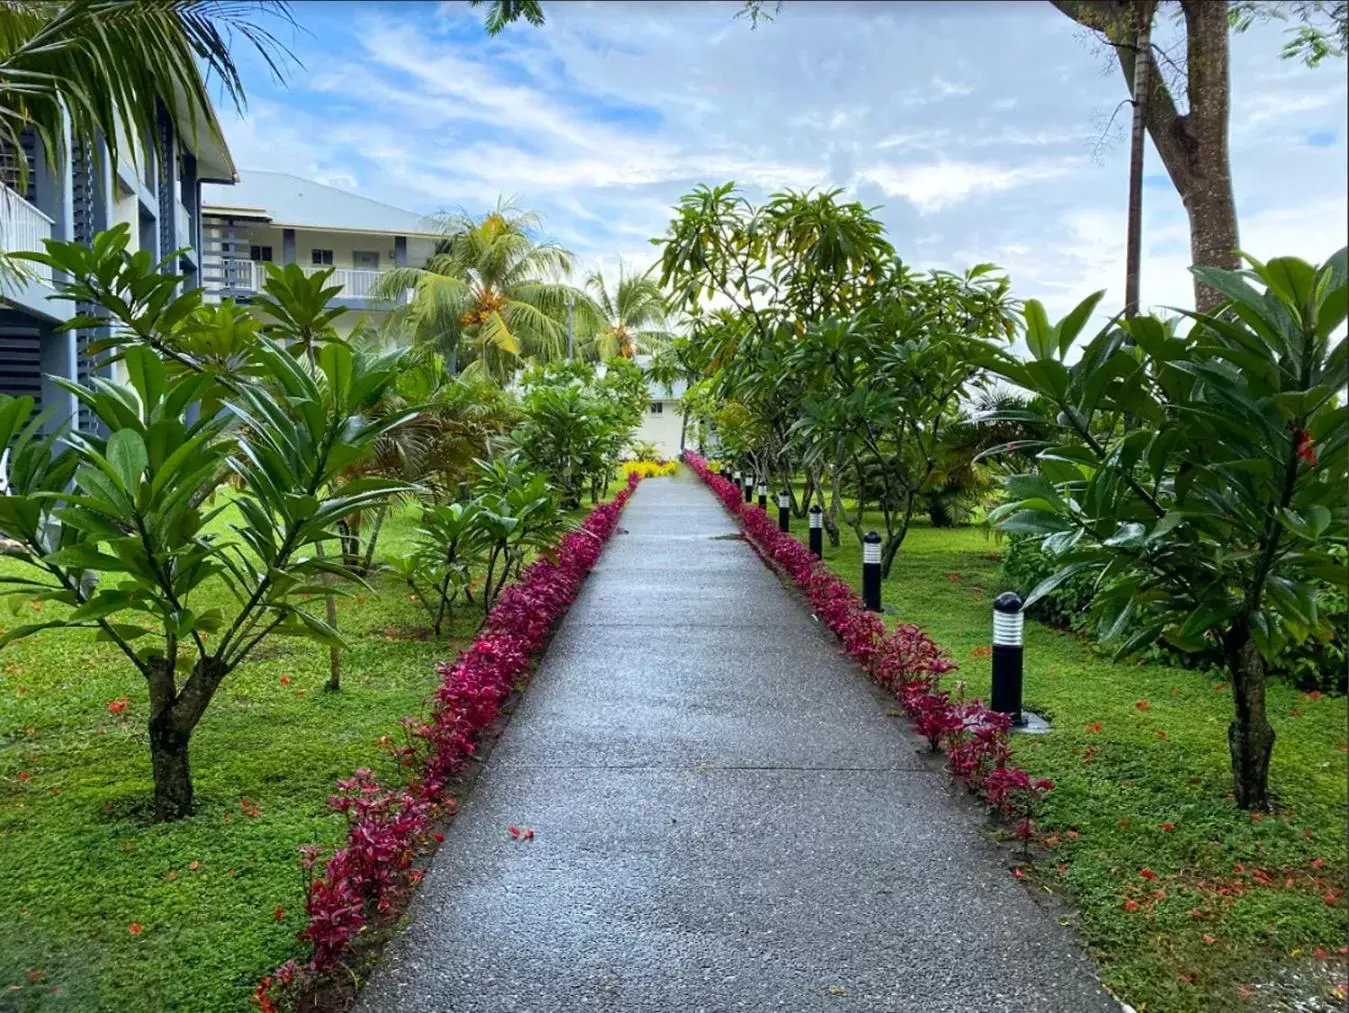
(388, 827)
(905, 661)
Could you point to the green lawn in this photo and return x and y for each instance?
(1238, 907)
(218, 898)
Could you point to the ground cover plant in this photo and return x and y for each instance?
(107, 910)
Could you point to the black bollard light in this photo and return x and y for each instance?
(784, 511)
(749, 488)
(871, 571)
(763, 495)
(735, 477)
(817, 531)
(1008, 624)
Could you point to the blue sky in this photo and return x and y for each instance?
(979, 128)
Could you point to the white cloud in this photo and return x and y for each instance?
(937, 185)
(974, 150)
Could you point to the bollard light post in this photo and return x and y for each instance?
(735, 477)
(871, 571)
(749, 488)
(784, 511)
(763, 495)
(817, 531)
(1008, 655)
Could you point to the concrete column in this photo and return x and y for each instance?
(287, 246)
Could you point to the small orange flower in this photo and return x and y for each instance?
(1130, 904)
(1142, 705)
(279, 914)
(1168, 827)
(1094, 728)
(135, 928)
(1209, 939)
(284, 680)
(117, 706)
(1147, 874)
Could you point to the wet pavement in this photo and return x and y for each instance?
(725, 817)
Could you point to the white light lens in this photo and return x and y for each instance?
(1007, 629)
(871, 552)
(784, 501)
(816, 519)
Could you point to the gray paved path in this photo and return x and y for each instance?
(726, 819)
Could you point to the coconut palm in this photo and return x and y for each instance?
(493, 294)
(104, 67)
(635, 316)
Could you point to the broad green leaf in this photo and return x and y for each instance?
(127, 455)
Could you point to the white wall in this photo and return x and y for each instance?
(662, 429)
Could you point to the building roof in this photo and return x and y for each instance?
(292, 202)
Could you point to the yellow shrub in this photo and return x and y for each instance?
(649, 469)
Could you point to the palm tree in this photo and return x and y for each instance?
(104, 67)
(635, 316)
(493, 293)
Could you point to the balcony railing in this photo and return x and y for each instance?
(247, 276)
(356, 283)
(24, 227)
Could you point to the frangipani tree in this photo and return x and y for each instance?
(113, 523)
(1201, 478)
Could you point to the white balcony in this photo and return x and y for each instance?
(24, 227)
(247, 276)
(356, 283)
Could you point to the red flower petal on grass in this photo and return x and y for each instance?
(135, 928)
(1147, 874)
(1130, 904)
(279, 914)
(25, 776)
(284, 680)
(1245, 992)
(1209, 939)
(1094, 728)
(117, 706)
(1257, 817)
(1018, 874)
(1142, 705)
(1073, 835)
(1168, 826)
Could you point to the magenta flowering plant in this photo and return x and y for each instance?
(388, 827)
(1013, 793)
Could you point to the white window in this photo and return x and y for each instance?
(321, 258)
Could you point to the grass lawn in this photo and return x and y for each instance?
(103, 910)
(1188, 904)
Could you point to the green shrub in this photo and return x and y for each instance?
(1319, 663)
(1025, 565)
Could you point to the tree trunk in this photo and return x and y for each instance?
(831, 511)
(334, 682)
(1133, 241)
(683, 430)
(174, 714)
(168, 762)
(1250, 739)
(1194, 146)
(369, 559)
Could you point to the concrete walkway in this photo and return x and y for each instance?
(725, 818)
